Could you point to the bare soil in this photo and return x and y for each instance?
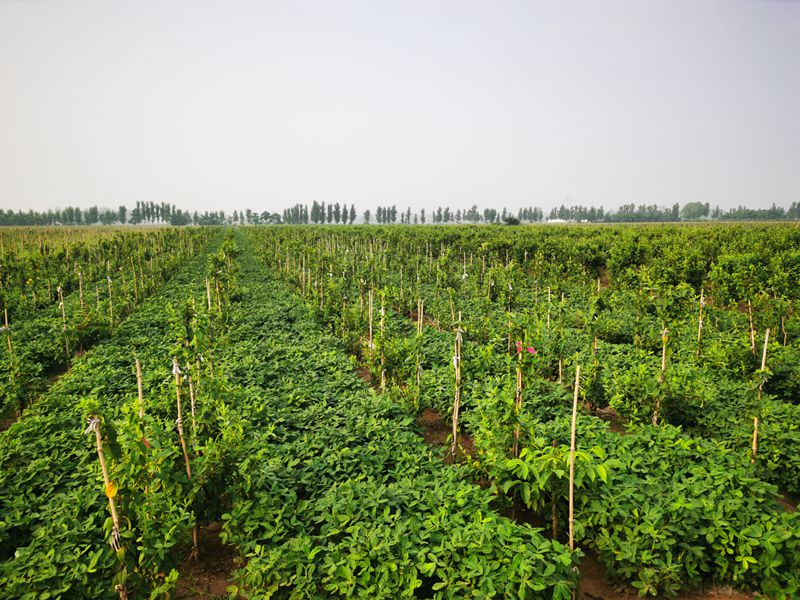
(605, 278)
(8, 421)
(593, 586)
(364, 374)
(788, 503)
(209, 576)
(437, 431)
(610, 416)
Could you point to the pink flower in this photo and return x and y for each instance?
(530, 349)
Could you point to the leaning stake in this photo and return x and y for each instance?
(111, 491)
(762, 377)
(176, 370)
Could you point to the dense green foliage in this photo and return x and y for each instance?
(626, 304)
(323, 487)
(62, 293)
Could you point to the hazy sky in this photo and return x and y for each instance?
(260, 105)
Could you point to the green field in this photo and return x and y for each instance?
(299, 384)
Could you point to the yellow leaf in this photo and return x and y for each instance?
(111, 489)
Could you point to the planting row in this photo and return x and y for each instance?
(493, 343)
(58, 538)
(43, 342)
(323, 487)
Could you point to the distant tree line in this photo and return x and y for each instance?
(320, 213)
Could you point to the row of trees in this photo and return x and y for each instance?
(153, 213)
(67, 216)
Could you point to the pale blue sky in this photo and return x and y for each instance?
(260, 105)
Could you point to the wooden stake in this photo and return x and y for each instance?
(64, 321)
(783, 329)
(700, 325)
(110, 490)
(457, 400)
(139, 388)
(763, 367)
(8, 340)
(135, 286)
(754, 449)
(110, 302)
(420, 317)
(371, 345)
(752, 329)
(383, 345)
(572, 460)
(80, 289)
(176, 370)
(517, 406)
(192, 405)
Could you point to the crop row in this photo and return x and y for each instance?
(323, 487)
(46, 340)
(695, 509)
(55, 524)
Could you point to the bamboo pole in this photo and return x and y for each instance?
(760, 390)
(139, 388)
(110, 302)
(176, 371)
(135, 285)
(700, 325)
(763, 367)
(370, 299)
(752, 329)
(80, 289)
(64, 322)
(192, 407)
(457, 399)
(572, 460)
(109, 487)
(517, 404)
(662, 377)
(8, 339)
(510, 324)
(783, 329)
(383, 345)
(420, 318)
